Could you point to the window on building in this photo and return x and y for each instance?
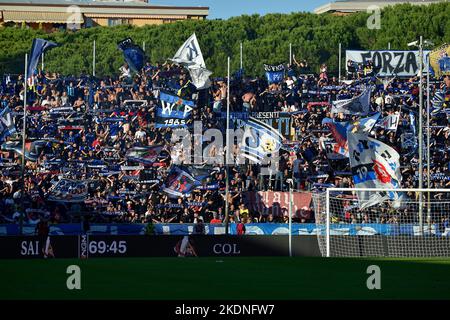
(117, 22)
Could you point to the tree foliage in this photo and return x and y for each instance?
(265, 39)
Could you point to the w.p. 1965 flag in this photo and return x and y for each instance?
(7, 127)
(133, 54)
(358, 106)
(260, 140)
(173, 112)
(373, 165)
(274, 74)
(39, 46)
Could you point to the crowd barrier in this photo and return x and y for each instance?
(219, 229)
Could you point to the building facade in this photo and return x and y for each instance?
(345, 7)
(52, 15)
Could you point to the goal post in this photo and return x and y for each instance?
(383, 222)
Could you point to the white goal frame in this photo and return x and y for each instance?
(328, 215)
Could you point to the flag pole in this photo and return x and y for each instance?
(340, 59)
(227, 151)
(242, 56)
(42, 62)
(290, 54)
(93, 60)
(143, 46)
(25, 84)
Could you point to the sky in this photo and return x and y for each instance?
(223, 9)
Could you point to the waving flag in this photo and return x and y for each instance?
(339, 133)
(373, 165)
(33, 149)
(7, 127)
(390, 122)
(173, 112)
(359, 105)
(145, 155)
(181, 180)
(365, 125)
(440, 60)
(437, 103)
(133, 54)
(260, 140)
(274, 74)
(190, 55)
(38, 47)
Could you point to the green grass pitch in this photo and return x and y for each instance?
(225, 278)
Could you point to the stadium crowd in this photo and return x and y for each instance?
(88, 125)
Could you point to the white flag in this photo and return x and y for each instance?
(374, 165)
(390, 122)
(190, 53)
(359, 105)
(191, 56)
(200, 77)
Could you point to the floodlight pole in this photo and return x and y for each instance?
(22, 196)
(428, 141)
(227, 151)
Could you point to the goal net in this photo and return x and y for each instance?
(383, 223)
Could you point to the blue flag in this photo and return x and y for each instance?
(181, 180)
(274, 74)
(39, 46)
(173, 112)
(133, 54)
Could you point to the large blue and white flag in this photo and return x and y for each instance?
(173, 112)
(260, 140)
(358, 106)
(339, 131)
(190, 55)
(374, 165)
(274, 74)
(38, 47)
(133, 54)
(7, 126)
